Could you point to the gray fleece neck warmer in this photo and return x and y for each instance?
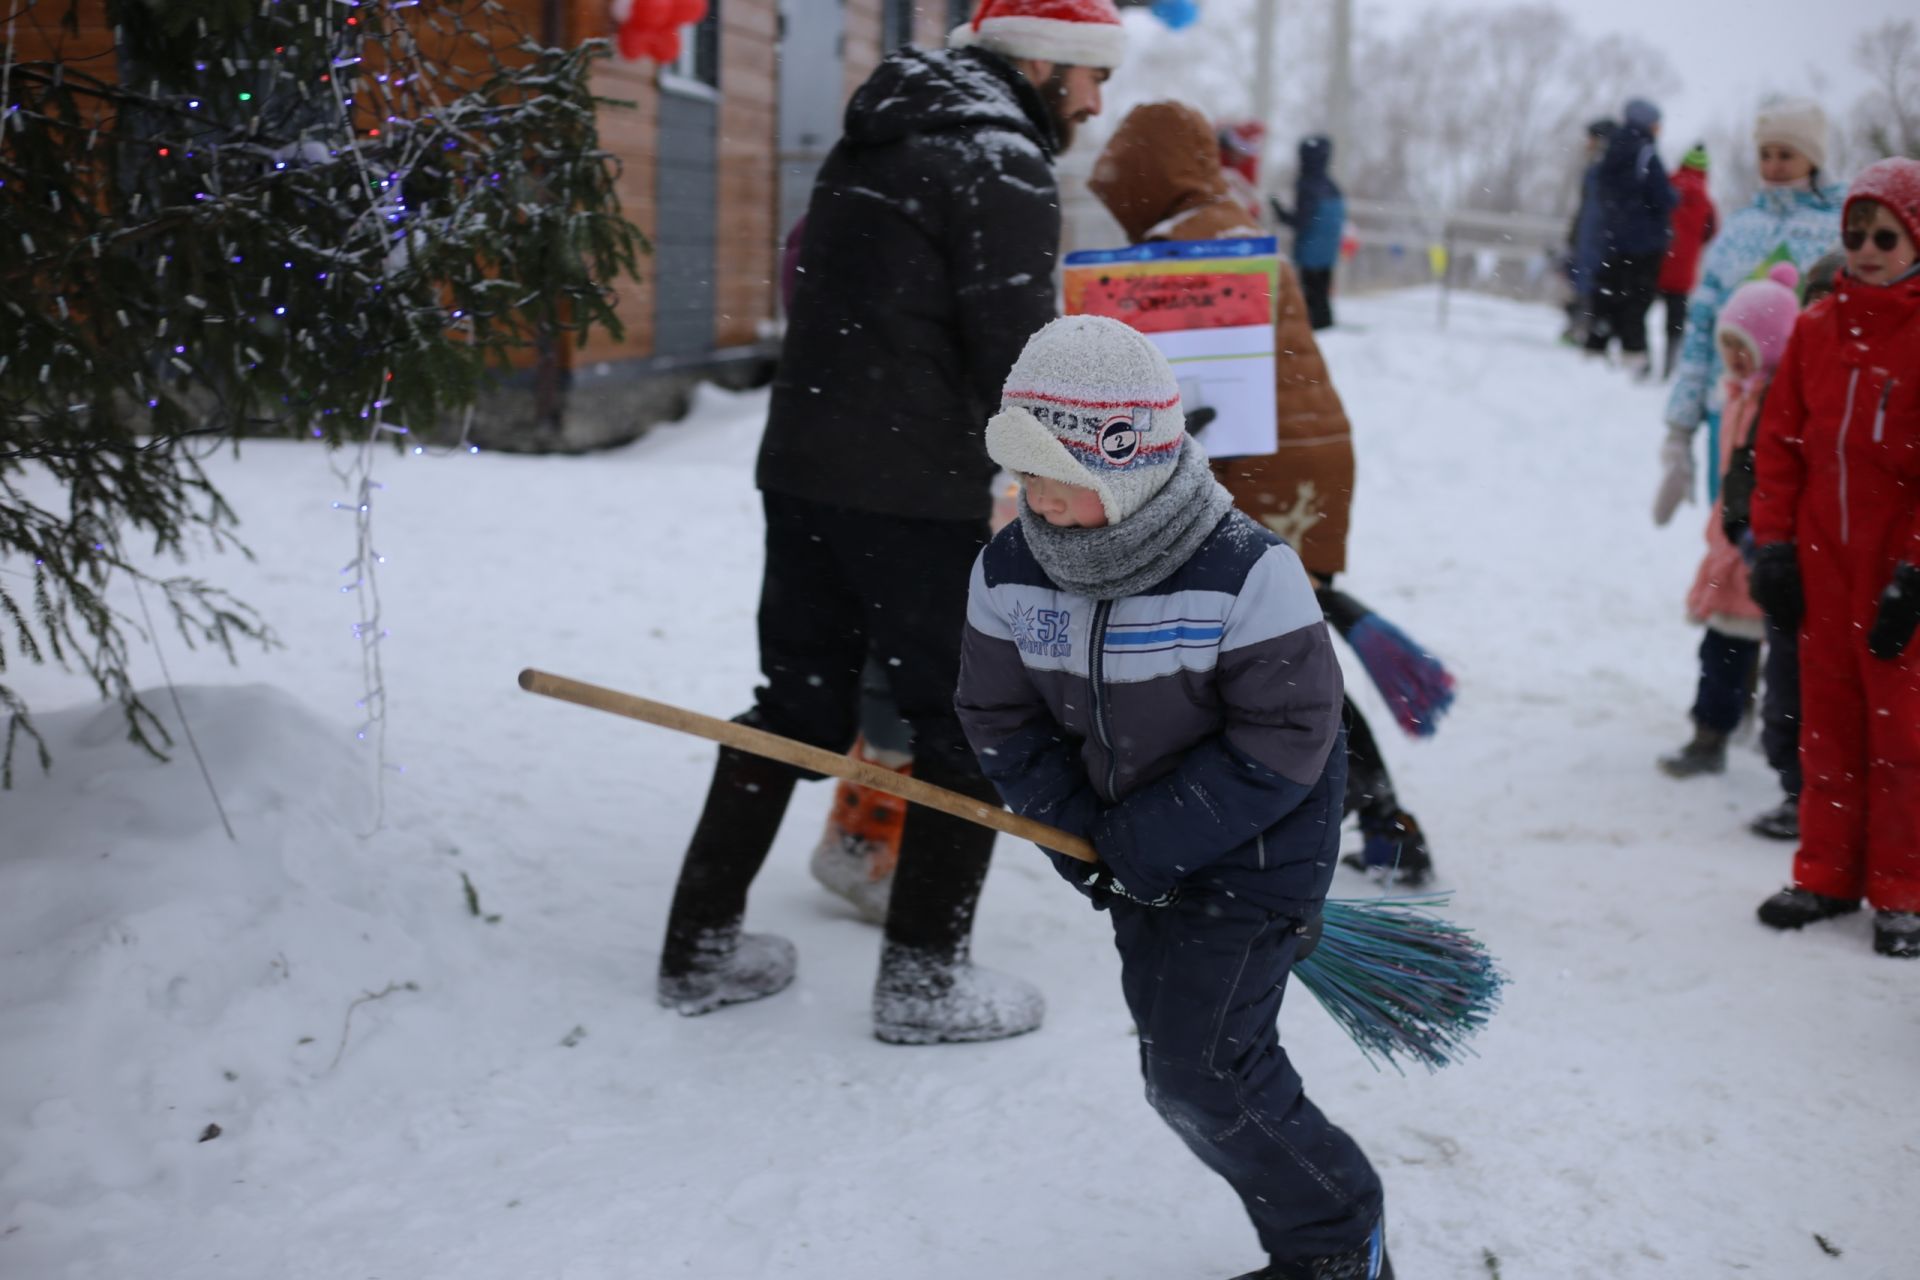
(1141, 551)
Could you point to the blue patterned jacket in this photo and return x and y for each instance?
(1192, 732)
(1792, 226)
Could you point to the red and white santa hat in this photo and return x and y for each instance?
(1081, 33)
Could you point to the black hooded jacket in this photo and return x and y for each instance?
(926, 263)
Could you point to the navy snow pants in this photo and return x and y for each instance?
(1204, 979)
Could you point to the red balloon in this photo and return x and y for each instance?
(652, 28)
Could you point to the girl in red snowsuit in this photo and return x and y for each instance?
(1836, 522)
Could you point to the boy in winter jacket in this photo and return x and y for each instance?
(1836, 517)
(1158, 179)
(1146, 667)
(1635, 201)
(1694, 222)
(1754, 327)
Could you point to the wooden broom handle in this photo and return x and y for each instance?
(774, 747)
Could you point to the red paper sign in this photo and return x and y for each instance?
(1157, 303)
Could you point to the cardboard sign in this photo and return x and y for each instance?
(1209, 306)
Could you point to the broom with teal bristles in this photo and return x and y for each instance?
(1401, 981)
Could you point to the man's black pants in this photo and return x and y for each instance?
(837, 584)
(1626, 287)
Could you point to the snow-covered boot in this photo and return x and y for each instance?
(1793, 908)
(1639, 365)
(706, 960)
(1897, 933)
(1395, 849)
(1707, 753)
(925, 997)
(1782, 822)
(861, 843)
(718, 966)
(927, 991)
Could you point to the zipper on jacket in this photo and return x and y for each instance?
(1880, 414)
(1096, 678)
(1840, 449)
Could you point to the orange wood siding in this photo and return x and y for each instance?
(631, 135)
(748, 249)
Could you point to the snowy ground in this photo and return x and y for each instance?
(1670, 1090)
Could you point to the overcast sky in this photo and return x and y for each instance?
(1728, 52)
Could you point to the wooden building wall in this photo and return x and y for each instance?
(748, 265)
(632, 134)
(743, 282)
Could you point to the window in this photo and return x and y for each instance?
(699, 61)
(959, 11)
(896, 24)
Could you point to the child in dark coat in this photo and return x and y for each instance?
(1146, 667)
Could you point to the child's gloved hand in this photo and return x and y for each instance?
(1084, 876)
(1676, 479)
(1898, 616)
(1774, 584)
(1100, 884)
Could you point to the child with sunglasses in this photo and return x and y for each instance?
(1836, 521)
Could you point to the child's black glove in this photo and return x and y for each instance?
(1098, 883)
(1899, 614)
(1774, 584)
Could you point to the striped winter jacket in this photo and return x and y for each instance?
(1192, 733)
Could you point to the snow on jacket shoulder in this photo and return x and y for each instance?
(926, 264)
(1796, 226)
(1189, 732)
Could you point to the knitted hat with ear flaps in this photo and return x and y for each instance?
(1091, 402)
(1080, 33)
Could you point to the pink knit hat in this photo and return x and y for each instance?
(1081, 33)
(1761, 313)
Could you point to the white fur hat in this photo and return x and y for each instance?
(1081, 33)
(1793, 122)
(1091, 402)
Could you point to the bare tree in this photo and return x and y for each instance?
(1485, 109)
(1887, 119)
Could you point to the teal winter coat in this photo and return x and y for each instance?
(1794, 226)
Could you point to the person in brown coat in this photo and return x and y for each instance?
(1160, 177)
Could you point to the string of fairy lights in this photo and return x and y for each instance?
(383, 199)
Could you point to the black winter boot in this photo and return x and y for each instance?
(707, 961)
(1707, 753)
(1357, 1264)
(1897, 933)
(1395, 848)
(1782, 822)
(1793, 908)
(928, 990)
